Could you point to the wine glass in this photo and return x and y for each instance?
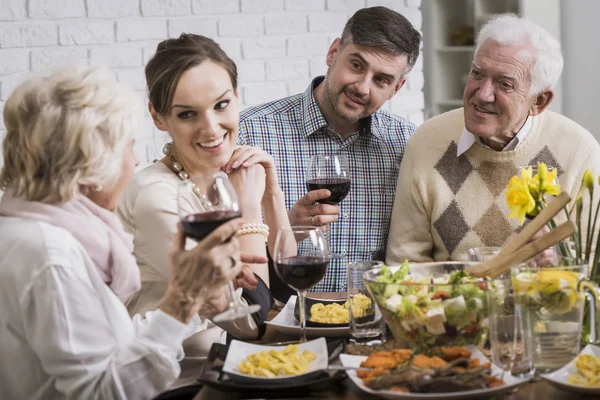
(329, 172)
(204, 203)
(300, 260)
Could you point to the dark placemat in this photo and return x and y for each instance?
(212, 376)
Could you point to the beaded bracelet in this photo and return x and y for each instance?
(248, 229)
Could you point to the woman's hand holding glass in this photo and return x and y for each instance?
(199, 276)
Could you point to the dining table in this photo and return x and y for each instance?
(535, 390)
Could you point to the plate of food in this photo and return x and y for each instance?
(441, 373)
(267, 364)
(286, 322)
(581, 375)
(333, 313)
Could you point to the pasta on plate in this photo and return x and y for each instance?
(588, 371)
(274, 363)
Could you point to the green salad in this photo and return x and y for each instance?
(424, 311)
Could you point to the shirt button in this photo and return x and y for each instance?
(344, 252)
(345, 215)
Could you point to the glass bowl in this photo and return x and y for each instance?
(424, 311)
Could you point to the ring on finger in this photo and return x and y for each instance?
(312, 220)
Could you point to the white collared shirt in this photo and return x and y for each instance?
(467, 139)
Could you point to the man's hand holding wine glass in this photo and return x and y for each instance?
(307, 213)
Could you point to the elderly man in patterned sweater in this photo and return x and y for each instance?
(451, 187)
(340, 114)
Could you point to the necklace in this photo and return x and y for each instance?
(178, 169)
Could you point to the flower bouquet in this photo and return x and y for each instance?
(560, 289)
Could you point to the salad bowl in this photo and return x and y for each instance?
(432, 304)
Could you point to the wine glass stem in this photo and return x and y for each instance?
(327, 235)
(233, 303)
(302, 309)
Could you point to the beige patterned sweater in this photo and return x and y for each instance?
(446, 204)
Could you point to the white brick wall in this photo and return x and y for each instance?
(279, 45)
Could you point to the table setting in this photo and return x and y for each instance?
(495, 326)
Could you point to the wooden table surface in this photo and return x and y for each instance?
(531, 391)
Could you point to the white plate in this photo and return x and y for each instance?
(510, 382)
(285, 322)
(559, 378)
(238, 351)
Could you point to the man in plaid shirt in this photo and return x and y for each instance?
(339, 114)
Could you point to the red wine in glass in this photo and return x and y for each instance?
(198, 226)
(339, 188)
(302, 272)
(301, 258)
(331, 172)
(204, 203)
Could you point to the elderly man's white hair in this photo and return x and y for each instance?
(509, 29)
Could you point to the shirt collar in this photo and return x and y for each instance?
(467, 139)
(313, 118)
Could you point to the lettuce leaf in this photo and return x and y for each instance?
(460, 317)
(401, 273)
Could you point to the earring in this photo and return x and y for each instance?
(98, 188)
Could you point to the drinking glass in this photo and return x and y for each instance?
(551, 308)
(329, 172)
(511, 346)
(301, 259)
(204, 203)
(481, 254)
(367, 325)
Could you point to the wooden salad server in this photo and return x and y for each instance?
(518, 250)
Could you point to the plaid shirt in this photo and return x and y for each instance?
(292, 129)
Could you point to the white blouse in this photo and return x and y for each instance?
(149, 211)
(65, 334)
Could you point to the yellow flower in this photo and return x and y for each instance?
(543, 181)
(519, 198)
(588, 180)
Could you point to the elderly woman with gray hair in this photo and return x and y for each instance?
(64, 332)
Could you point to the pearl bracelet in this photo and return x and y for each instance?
(249, 229)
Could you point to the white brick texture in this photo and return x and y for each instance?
(116, 57)
(215, 6)
(45, 59)
(112, 8)
(241, 25)
(278, 45)
(305, 5)
(141, 29)
(13, 61)
(349, 6)
(56, 9)
(12, 10)
(28, 35)
(162, 8)
(86, 32)
(197, 25)
(262, 6)
(285, 24)
(327, 22)
(287, 70)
